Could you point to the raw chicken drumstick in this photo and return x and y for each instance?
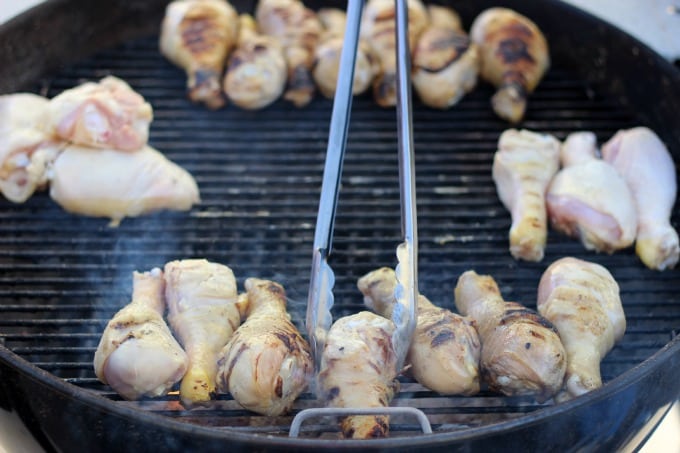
(298, 29)
(582, 300)
(514, 57)
(107, 114)
(523, 167)
(256, 70)
(203, 311)
(589, 199)
(359, 369)
(444, 353)
(116, 184)
(327, 56)
(522, 353)
(197, 36)
(648, 168)
(137, 354)
(266, 364)
(445, 62)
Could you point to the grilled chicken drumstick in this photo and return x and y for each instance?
(256, 70)
(197, 36)
(137, 354)
(522, 353)
(266, 364)
(514, 57)
(444, 353)
(582, 300)
(358, 369)
(523, 167)
(203, 311)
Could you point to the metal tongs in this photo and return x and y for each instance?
(320, 299)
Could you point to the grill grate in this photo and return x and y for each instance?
(62, 277)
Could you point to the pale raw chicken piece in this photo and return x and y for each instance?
(648, 168)
(108, 114)
(378, 27)
(116, 184)
(358, 370)
(523, 167)
(26, 150)
(298, 29)
(444, 353)
(514, 57)
(522, 354)
(266, 364)
(582, 300)
(327, 56)
(589, 199)
(197, 36)
(445, 62)
(256, 70)
(137, 355)
(203, 311)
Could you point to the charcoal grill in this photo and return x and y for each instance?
(62, 277)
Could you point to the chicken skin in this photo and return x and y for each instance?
(445, 62)
(444, 353)
(514, 57)
(116, 184)
(298, 29)
(203, 311)
(523, 167)
(108, 114)
(197, 36)
(137, 355)
(647, 166)
(359, 369)
(522, 353)
(589, 199)
(266, 364)
(582, 300)
(256, 69)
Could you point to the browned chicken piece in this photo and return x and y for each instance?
(327, 56)
(117, 184)
(26, 150)
(523, 167)
(137, 354)
(204, 312)
(266, 364)
(197, 36)
(359, 370)
(582, 300)
(522, 354)
(514, 57)
(256, 70)
(378, 27)
(444, 353)
(298, 29)
(107, 114)
(445, 62)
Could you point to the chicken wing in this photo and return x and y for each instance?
(521, 351)
(444, 353)
(115, 184)
(582, 300)
(523, 167)
(137, 354)
(197, 36)
(514, 57)
(266, 364)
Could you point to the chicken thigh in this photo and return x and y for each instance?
(582, 300)
(647, 166)
(137, 354)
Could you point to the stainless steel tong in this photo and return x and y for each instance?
(320, 299)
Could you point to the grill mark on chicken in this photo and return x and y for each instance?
(240, 351)
(200, 35)
(332, 393)
(513, 50)
(443, 338)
